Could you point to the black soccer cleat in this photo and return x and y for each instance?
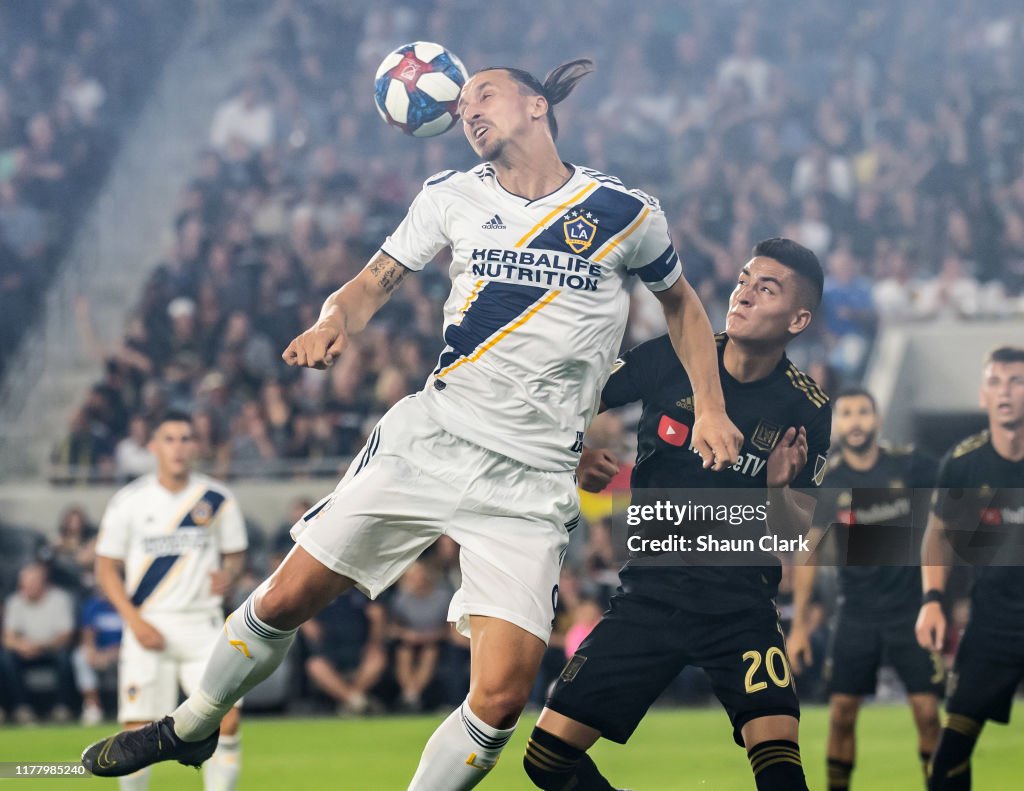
(129, 751)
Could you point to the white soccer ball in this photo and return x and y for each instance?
(417, 88)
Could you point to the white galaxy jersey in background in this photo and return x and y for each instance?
(538, 303)
(170, 542)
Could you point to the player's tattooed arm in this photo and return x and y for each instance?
(346, 312)
(387, 271)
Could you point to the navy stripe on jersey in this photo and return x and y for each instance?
(613, 210)
(160, 566)
(496, 305)
(659, 268)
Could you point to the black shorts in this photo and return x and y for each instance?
(641, 645)
(988, 668)
(860, 647)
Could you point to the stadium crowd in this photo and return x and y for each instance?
(847, 127)
(72, 72)
(886, 136)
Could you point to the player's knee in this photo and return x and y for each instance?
(283, 605)
(843, 717)
(499, 707)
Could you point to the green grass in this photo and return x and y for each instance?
(682, 749)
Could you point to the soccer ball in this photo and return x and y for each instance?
(417, 88)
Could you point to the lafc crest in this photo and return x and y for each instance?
(580, 228)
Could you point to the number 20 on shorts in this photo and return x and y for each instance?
(773, 658)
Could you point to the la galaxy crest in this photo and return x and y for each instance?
(580, 228)
(202, 513)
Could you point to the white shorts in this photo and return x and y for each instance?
(414, 482)
(149, 681)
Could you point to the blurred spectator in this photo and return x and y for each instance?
(73, 554)
(419, 611)
(247, 117)
(39, 622)
(953, 295)
(131, 456)
(849, 313)
(96, 653)
(347, 654)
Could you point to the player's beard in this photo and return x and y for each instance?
(493, 151)
(861, 448)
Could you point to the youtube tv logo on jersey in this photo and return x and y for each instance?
(673, 432)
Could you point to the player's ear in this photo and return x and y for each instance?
(800, 321)
(538, 107)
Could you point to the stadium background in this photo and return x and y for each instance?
(182, 183)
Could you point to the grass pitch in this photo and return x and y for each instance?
(677, 749)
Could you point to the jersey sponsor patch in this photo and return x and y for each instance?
(673, 432)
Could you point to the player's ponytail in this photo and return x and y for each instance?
(559, 84)
(556, 86)
(562, 79)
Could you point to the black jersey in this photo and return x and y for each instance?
(980, 495)
(871, 514)
(761, 410)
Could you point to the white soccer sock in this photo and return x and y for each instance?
(461, 752)
(221, 772)
(249, 652)
(137, 781)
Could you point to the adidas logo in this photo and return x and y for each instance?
(494, 224)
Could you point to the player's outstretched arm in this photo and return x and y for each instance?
(346, 312)
(936, 556)
(715, 437)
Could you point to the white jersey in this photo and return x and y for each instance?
(170, 542)
(538, 304)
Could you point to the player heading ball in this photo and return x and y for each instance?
(486, 452)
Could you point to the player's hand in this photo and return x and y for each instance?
(716, 439)
(149, 636)
(220, 582)
(931, 626)
(317, 347)
(596, 469)
(798, 646)
(788, 457)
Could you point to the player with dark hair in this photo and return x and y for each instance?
(720, 618)
(486, 452)
(976, 513)
(871, 494)
(171, 545)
